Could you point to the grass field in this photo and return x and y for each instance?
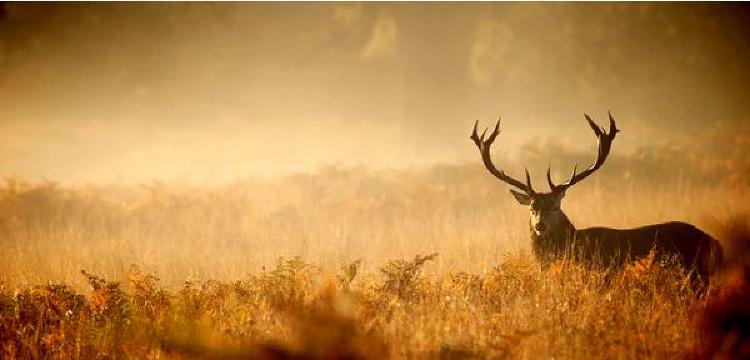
(279, 180)
(343, 263)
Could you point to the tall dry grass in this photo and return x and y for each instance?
(323, 265)
(295, 310)
(50, 232)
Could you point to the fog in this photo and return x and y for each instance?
(216, 92)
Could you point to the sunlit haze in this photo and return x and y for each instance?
(217, 92)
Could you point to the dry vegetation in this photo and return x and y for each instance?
(326, 266)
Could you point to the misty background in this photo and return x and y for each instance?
(216, 92)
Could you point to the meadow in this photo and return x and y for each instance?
(351, 262)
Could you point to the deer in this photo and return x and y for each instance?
(554, 237)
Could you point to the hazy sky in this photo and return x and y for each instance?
(211, 92)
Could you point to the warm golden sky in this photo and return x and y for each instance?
(212, 92)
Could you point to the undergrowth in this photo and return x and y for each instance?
(297, 310)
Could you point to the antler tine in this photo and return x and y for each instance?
(552, 185)
(612, 126)
(597, 130)
(530, 191)
(484, 150)
(605, 140)
(495, 132)
(573, 174)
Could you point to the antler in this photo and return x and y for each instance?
(484, 149)
(605, 143)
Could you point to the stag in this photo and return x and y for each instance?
(555, 237)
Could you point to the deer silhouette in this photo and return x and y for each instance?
(555, 237)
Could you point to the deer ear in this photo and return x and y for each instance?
(522, 199)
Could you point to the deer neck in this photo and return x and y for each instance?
(556, 237)
(566, 226)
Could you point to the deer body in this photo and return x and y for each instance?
(555, 237)
(614, 247)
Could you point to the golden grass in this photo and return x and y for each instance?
(324, 266)
(329, 218)
(295, 309)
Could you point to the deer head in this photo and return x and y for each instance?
(546, 217)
